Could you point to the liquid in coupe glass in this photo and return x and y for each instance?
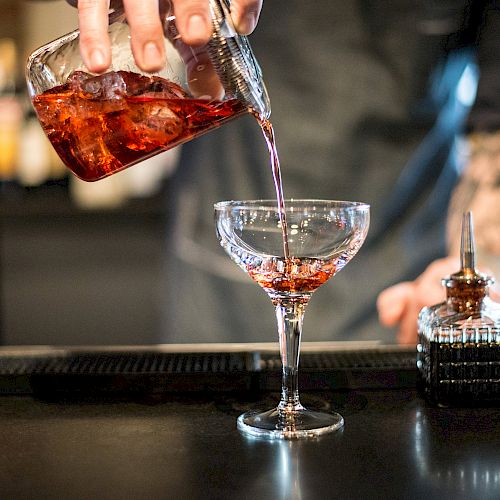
(322, 237)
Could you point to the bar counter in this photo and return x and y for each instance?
(184, 444)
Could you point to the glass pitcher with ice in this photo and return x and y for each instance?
(102, 124)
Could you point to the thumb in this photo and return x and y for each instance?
(245, 15)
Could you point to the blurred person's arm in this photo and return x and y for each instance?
(478, 191)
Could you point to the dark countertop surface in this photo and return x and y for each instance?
(393, 445)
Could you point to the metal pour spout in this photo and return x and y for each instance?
(466, 289)
(467, 245)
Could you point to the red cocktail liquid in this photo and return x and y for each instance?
(102, 124)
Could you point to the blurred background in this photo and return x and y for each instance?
(74, 256)
(368, 101)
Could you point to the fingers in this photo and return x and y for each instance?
(392, 302)
(429, 289)
(94, 40)
(193, 21)
(146, 33)
(397, 305)
(245, 15)
(401, 303)
(407, 333)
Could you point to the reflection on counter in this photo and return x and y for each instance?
(466, 472)
(289, 470)
(286, 480)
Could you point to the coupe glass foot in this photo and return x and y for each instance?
(278, 424)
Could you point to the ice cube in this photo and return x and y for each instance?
(77, 78)
(89, 146)
(135, 84)
(109, 85)
(152, 124)
(154, 86)
(166, 89)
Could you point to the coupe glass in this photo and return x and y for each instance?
(323, 236)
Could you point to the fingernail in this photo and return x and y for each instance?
(97, 58)
(152, 54)
(197, 26)
(248, 24)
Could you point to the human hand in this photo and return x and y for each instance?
(400, 304)
(143, 16)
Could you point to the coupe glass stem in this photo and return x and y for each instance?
(290, 316)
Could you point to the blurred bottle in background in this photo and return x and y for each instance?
(27, 159)
(11, 114)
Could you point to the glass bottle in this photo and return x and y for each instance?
(102, 124)
(458, 350)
